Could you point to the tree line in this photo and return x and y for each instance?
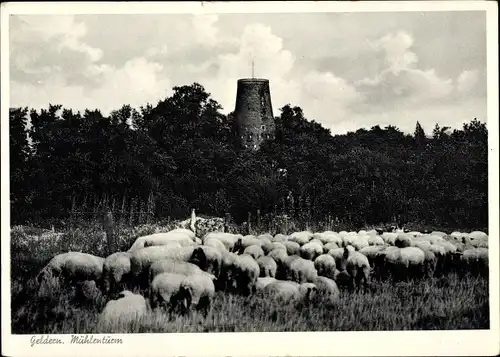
(183, 153)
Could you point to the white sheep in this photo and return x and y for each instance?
(216, 243)
(358, 267)
(142, 259)
(325, 266)
(228, 239)
(127, 309)
(157, 239)
(262, 282)
(116, 271)
(327, 289)
(311, 250)
(198, 291)
(301, 237)
(72, 267)
(268, 266)
(279, 238)
(289, 291)
(255, 251)
(165, 290)
(292, 248)
(301, 270)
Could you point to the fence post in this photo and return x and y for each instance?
(227, 219)
(258, 220)
(249, 226)
(110, 229)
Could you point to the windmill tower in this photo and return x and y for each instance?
(254, 111)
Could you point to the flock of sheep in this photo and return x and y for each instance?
(179, 271)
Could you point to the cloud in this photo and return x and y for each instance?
(205, 31)
(467, 81)
(136, 83)
(386, 73)
(396, 47)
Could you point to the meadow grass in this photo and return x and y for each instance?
(447, 303)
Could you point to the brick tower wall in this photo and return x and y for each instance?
(254, 112)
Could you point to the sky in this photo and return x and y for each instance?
(345, 70)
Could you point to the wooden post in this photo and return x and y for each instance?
(227, 219)
(110, 229)
(249, 226)
(258, 219)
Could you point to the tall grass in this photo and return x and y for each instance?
(450, 302)
(447, 303)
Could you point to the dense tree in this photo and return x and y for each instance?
(183, 153)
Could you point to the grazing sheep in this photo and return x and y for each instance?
(267, 247)
(159, 239)
(301, 270)
(477, 235)
(338, 255)
(358, 268)
(476, 261)
(265, 237)
(279, 238)
(389, 237)
(342, 234)
(216, 243)
(197, 291)
(187, 232)
(325, 266)
(175, 266)
(207, 258)
(116, 271)
(127, 309)
(262, 283)
(403, 240)
(72, 267)
(379, 263)
(311, 250)
(317, 241)
(278, 245)
(292, 248)
(280, 258)
(375, 240)
(268, 267)
(245, 242)
(422, 244)
(440, 253)
(431, 238)
(254, 251)
(360, 242)
(371, 252)
(328, 237)
(438, 233)
(289, 291)
(164, 290)
(227, 275)
(247, 271)
(329, 246)
(430, 263)
(228, 239)
(327, 289)
(301, 237)
(406, 262)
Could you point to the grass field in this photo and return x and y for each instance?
(446, 303)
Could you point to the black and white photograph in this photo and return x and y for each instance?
(219, 168)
